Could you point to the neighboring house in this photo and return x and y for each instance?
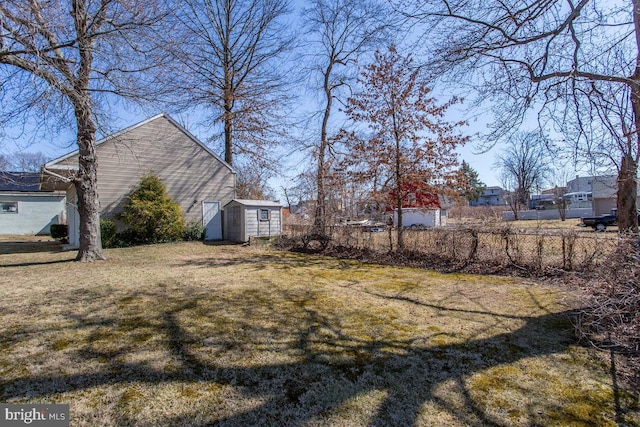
(579, 200)
(541, 201)
(421, 208)
(604, 192)
(244, 219)
(25, 208)
(581, 184)
(491, 196)
(195, 177)
(601, 191)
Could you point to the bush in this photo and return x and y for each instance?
(59, 231)
(129, 238)
(108, 233)
(194, 231)
(151, 215)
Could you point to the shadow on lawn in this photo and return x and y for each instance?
(28, 247)
(333, 366)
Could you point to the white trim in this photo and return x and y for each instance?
(55, 175)
(33, 194)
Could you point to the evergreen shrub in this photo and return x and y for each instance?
(151, 215)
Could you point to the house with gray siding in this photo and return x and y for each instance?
(195, 177)
(602, 191)
(491, 196)
(24, 208)
(244, 219)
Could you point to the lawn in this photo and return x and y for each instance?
(193, 335)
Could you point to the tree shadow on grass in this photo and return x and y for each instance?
(329, 367)
(34, 263)
(27, 247)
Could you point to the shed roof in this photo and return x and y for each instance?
(266, 203)
(19, 181)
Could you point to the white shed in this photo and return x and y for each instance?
(421, 217)
(251, 218)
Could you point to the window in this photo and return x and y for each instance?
(8, 207)
(264, 214)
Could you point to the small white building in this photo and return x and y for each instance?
(25, 208)
(421, 217)
(251, 218)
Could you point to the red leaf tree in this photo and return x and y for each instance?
(410, 145)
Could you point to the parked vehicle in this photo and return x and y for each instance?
(600, 223)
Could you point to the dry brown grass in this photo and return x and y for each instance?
(188, 334)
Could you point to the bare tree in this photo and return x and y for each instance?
(303, 188)
(525, 161)
(251, 182)
(340, 32)
(59, 57)
(5, 163)
(29, 161)
(412, 146)
(510, 188)
(575, 62)
(231, 61)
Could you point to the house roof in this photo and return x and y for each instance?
(415, 197)
(52, 163)
(19, 181)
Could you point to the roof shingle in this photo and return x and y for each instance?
(19, 181)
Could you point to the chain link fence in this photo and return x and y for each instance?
(485, 248)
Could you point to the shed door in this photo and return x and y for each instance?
(212, 220)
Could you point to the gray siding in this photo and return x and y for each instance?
(190, 173)
(242, 220)
(255, 227)
(233, 223)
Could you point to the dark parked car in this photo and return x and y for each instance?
(600, 223)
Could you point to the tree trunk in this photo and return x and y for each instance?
(321, 212)
(86, 184)
(400, 229)
(228, 132)
(86, 181)
(628, 172)
(627, 193)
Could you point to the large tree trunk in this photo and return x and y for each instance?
(86, 181)
(628, 172)
(320, 219)
(86, 184)
(627, 194)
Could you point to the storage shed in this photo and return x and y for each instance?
(251, 218)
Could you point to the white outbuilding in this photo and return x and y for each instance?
(244, 219)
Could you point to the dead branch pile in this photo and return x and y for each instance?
(612, 316)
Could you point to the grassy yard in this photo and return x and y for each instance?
(191, 334)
